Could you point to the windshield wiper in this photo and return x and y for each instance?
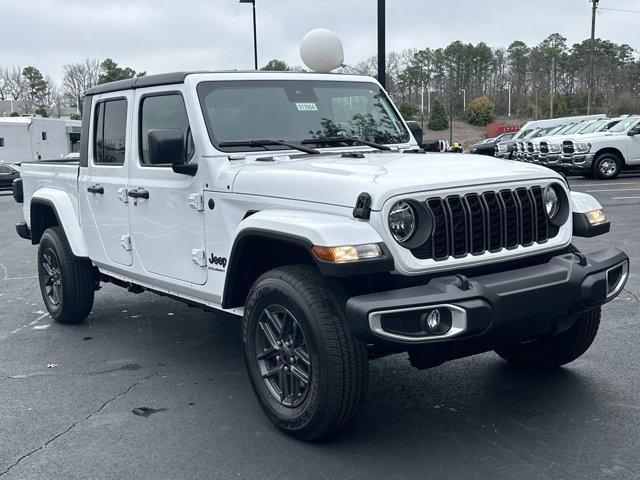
(334, 140)
(265, 142)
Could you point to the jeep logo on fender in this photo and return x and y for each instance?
(218, 261)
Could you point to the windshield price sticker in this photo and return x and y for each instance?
(307, 107)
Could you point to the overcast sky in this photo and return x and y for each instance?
(165, 35)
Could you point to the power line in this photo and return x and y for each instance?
(620, 10)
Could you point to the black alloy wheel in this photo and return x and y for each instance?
(283, 357)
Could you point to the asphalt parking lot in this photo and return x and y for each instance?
(149, 388)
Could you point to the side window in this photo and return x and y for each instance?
(110, 132)
(159, 112)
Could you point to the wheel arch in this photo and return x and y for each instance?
(51, 207)
(611, 150)
(257, 251)
(271, 239)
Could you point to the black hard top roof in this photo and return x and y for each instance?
(160, 79)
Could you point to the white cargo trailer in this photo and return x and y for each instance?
(36, 138)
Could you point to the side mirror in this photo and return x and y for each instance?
(166, 146)
(416, 131)
(634, 131)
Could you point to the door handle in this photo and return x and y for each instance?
(96, 189)
(138, 193)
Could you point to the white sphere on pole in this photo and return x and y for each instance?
(321, 50)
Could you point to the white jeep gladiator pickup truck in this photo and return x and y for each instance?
(303, 203)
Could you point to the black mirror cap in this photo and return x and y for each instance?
(166, 146)
(634, 131)
(18, 193)
(416, 130)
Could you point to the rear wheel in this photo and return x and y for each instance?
(309, 374)
(66, 281)
(555, 351)
(607, 166)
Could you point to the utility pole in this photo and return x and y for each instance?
(591, 54)
(451, 113)
(552, 86)
(464, 99)
(382, 55)
(429, 102)
(422, 102)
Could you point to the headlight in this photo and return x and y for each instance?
(551, 201)
(556, 204)
(582, 147)
(402, 221)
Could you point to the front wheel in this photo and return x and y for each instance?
(66, 281)
(552, 352)
(607, 166)
(309, 374)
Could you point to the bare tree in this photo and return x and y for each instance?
(15, 84)
(3, 87)
(78, 78)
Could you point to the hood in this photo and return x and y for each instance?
(336, 180)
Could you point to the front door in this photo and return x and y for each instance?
(167, 211)
(633, 147)
(105, 181)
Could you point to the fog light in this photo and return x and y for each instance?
(433, 320)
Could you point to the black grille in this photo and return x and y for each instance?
(490, 221)
(544, 147)
(530, 147)
(567, 147)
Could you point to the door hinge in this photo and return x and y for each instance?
(198, 257)
(196, 201)
(125, 242)
(122, 195)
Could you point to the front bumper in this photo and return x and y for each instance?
(490, 309)
(578, 162)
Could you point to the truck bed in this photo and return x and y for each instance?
(60, 174)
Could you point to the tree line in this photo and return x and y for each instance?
(38, 94)
(534, 75)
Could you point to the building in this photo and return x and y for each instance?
(37, 138)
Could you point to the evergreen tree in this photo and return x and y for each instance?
(438, 118)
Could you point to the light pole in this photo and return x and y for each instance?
(464, 99)
(255, 34)
(382, 54)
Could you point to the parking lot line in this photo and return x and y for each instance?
(625, 198)
(613, 190)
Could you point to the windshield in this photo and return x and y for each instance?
(594, 127)
(297, 110)
(623, 125)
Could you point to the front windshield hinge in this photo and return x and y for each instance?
(363, 206)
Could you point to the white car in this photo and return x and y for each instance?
(302, 203)
(604, 155)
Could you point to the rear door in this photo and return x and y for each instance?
(167, 227)
(105, 182)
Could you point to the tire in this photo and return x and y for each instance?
(307, 304)
(607, 166)
(552, 352)
(66, 281)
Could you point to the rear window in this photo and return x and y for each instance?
(110, 136)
